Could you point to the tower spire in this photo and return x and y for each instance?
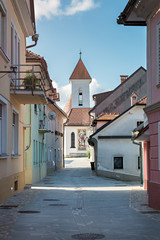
(80, 53)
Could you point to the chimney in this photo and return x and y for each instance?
(123, 78)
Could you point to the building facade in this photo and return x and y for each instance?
(77, 127)
(17, 22)
(115, 155)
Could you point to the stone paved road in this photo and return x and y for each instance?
(76, 204)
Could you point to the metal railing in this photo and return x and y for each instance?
(28, 77)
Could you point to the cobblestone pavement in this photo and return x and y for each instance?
(9, 215)
(9, 210)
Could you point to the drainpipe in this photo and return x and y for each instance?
(140, 155)
(27, 147)
(35, 39)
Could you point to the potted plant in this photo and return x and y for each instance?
(28, 81)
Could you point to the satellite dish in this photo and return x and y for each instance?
(52, 115)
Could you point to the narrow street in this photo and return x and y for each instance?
(76, 204)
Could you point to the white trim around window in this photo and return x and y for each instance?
(3, 29)
(3, 127)
(15, 132)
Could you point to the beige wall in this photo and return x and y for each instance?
(11, 169)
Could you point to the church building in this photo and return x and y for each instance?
(77, 127)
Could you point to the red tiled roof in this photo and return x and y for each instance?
(107, 117)
(142, 101)
(80, 71)
(67, 107)
(79, 117)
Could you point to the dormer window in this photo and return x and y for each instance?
(80, 98)
(134, 98)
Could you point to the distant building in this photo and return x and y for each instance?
(118, 100)
(115, 155)
(77, 127)
(44, 127)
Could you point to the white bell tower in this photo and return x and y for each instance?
(80, 81)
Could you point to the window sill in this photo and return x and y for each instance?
(3, 54)
(15, 156)
(4, 156)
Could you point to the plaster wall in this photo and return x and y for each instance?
(153, 89)
(55, 142)
(119, 100)
(108, 149)
(84, 86)
(124, 124)
(11, 168)
(68, 151)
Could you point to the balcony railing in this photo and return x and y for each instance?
(29, 84)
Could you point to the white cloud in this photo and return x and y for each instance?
(80, 6)
(49, 8)
(65, 92)
(95, 88)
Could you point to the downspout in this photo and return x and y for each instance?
(35, 39)
(27, 147)
(140, 155)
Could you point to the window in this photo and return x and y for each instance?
(118, 162)
(72, 140)
(158, 53)
(3, 126)
(15, 55)
(80, 100)
(3, 25)
(15, 133)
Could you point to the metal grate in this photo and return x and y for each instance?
(58, 205)
(51, 200)
(88, 236)
(8, 206)
(150, 212)
(29, 212)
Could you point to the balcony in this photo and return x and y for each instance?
(29, 84)
(42, 127)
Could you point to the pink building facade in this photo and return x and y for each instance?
(147, 13)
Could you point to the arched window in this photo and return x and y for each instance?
(72, 140)
(80, 98)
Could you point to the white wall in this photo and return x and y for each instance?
(67, 140)
(84, 85)
(109, 148)
(125, 124)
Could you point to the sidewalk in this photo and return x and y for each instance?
(83, 206)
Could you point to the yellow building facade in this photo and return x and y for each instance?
(16, 23)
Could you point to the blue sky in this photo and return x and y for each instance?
(108, 49)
